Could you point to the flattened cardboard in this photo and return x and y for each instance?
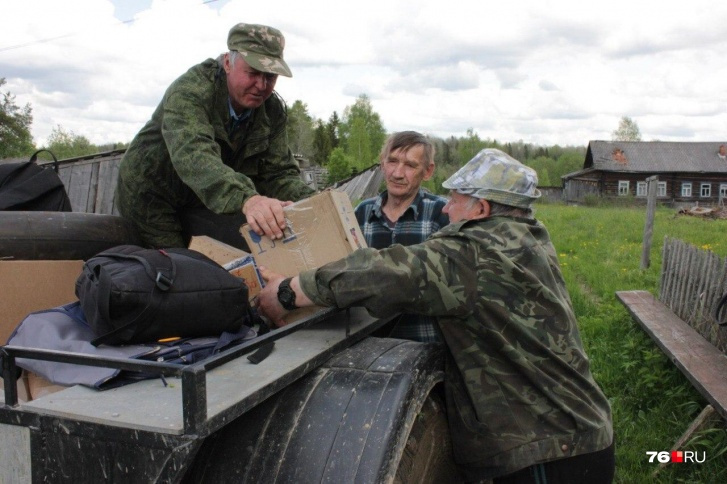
(214, 249)
(29, 286)
(232, 259)
(245, 269)
(39, 386)
(320, 229)
(33, 285)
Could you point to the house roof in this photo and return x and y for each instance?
(656, 156)
(363, 185)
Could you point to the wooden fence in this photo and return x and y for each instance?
(692, 282)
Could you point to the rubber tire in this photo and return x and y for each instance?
(61, 235)
(427, 456)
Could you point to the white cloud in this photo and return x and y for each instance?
(544, 72)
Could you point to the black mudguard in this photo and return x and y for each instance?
(346, 421)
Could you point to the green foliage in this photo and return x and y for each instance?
(362, 133)
(358, 144)
(339, 166)
(599, 250)
(15, 138)
(67, 144)
(627, 130)
(300, 129)
(322, 144)
(550, 162)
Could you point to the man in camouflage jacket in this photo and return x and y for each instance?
(217, 141)
(521, 399)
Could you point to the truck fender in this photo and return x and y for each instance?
(347, 421)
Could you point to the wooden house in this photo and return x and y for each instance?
(689, 173)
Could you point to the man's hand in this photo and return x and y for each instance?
(267, 301)
(265, 215)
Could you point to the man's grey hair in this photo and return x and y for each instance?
(407, 140)
(233, 55)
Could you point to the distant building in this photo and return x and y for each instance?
(314, 176)
(365, 184)
(689, 173)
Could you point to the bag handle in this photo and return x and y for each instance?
(162, 281)
(34, 157)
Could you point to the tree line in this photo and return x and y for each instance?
(351, 143)
(344, 145)
(16, 140)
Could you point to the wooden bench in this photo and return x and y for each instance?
(703, 364)
(681, 323)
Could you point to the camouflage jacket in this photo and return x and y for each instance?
(521, 391)
(185, 154)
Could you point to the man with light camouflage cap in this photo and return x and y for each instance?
(215, 152)
(498, 177)
(522, 403)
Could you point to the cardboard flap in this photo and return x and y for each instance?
(33, 285)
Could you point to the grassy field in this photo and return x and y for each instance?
(600, 252)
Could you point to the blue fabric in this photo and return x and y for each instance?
(64, 328)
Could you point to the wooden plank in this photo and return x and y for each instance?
(107, 175)
(705, 420)
(79, 186)
(703, 364)
(149, 405)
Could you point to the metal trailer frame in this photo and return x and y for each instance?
(48, 447)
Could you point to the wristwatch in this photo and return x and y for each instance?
(286, 295)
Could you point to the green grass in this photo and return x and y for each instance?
(653, 403)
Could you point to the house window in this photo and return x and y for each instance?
(686, 189)
(641, 189)
(623, 187)
(722, 191)
(661, 189)
(705, 190)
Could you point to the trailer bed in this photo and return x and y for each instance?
(231, 389)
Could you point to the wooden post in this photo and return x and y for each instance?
(707, 419)
(653, 182)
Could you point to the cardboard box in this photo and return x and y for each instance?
(29, 286)
(238, 262)
(33, 285)
(320, 229)
(246, 269)
(214, 249)
(39, 386)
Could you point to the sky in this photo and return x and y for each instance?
(544, 72)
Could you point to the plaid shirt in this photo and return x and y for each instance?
(420, 220)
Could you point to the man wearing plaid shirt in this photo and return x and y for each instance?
(405, 214)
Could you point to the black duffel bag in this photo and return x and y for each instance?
(130, 294)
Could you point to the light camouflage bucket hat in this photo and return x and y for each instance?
(261, 47)
(498, 177)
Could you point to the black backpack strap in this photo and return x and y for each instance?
(160, 268)
(718, 310)
(34, 157)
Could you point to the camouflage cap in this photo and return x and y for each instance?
(498, 177)
(261, 47)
